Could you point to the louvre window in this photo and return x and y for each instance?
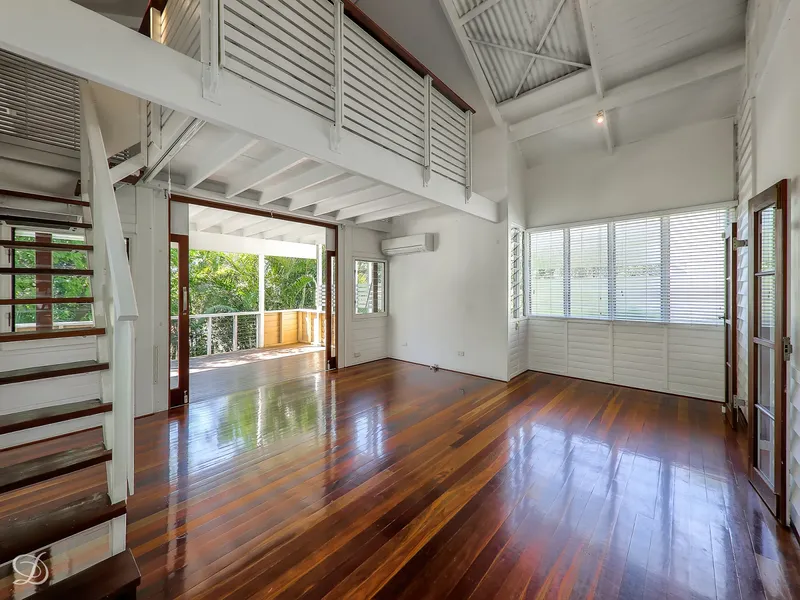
(667, 268)
(515, 275)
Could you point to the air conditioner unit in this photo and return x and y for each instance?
(410, 244)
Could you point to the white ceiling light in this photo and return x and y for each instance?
(601, 117)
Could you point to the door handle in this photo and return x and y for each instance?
(185, 299)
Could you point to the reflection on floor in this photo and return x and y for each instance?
(394, 481)
(221, 374)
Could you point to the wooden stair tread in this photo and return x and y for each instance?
(32, 196)
(50, 334)
(47, 415)
(48, 371)
(40, 222)
(46, 300)
(43, 271)
(47, 467)
(24, 534)
(107, 579)
(47, 245)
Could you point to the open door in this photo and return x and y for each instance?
(179, 319)
(769, 346)
(731, 413)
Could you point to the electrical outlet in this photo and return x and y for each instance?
(356, 354)
(461, 353)
(405, 343)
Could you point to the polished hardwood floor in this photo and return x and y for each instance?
(223, 374)
(389, 480)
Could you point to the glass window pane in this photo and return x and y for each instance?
(369, 286)
(588, 271)
(766, 446)
(767, 243)
(766, 325)
(637, 270)
(546, 260)
(766, 378)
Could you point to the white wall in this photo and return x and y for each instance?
(777, 156)
(690, 166)
(366, 337)
(453, 299)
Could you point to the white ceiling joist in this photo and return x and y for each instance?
(328, 190)
(282, 230)
(235, 222)
(173, 80)
(211, 217)
(690, 71)
(562, 61)
(393, 201)
(282, 161)
(261, 227)
(333, 204)
(395, 212)
(192, 128)
(539, 46)
(293, 185)
(227, 151)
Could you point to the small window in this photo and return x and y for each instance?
(370, 287)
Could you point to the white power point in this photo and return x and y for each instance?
(356, 354)
(461, 353)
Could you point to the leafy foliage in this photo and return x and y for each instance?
(226, 282)
(71, 286)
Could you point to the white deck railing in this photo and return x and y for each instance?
(115, 307)
(310, 53)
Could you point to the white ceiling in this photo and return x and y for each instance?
(225, 222)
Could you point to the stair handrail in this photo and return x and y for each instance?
(117, 292)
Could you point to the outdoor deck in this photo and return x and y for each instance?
(223, 374)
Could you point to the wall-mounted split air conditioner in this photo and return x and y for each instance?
(410, 244)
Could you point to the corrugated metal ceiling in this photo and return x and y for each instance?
(521, 24)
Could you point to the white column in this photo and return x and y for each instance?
(260, 324)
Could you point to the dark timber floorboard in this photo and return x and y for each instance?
(394, 481)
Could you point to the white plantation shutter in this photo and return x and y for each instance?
(587, 288)
(668, 268)
(546, 277)
(638, 270)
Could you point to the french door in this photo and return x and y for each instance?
(179, 319)
(769, 346)
(730, 326)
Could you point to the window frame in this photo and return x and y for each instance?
(372, 315)
(609, 222)
(523, 274)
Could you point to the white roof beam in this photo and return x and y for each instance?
(333, 204)
(298, 183)
(594, 58)
(562, 61)
(690, 71)
(229, 150)
(329, 190)
(208, 220)
(396, 212)
(280, 231)
(477, 11)
(393, 201)
(451, 12)
(539, 46)
(282, 161)
(193, 127)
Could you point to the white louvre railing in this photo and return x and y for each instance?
(115, 307)
(311, 54)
